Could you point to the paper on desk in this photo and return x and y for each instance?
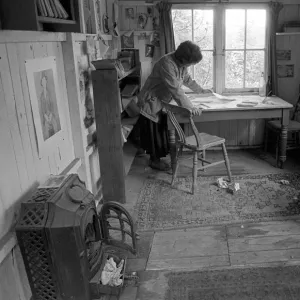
(223, 97)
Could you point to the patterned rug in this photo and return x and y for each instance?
(272, 283)
(260, 198)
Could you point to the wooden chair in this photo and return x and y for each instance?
(197, 143)
(293, 129)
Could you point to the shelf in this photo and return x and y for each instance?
(130, 72)
(55, 20)
(287, 33)
(126, 102)
(129, 121)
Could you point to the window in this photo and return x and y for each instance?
(232, 41)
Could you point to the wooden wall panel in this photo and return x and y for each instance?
(289, 87)
(8, 285)
(22, 168)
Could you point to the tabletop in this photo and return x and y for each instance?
(238, 102)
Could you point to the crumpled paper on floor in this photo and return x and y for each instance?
(285, 182)
(111, 273)
(230, 186)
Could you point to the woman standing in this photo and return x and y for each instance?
(164, 84)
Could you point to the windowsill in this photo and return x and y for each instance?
(228, 93)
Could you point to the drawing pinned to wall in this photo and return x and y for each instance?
(127, 40)
(116, 31)
(103, 46)
(283, 54)
(155, 23)
(87, 12)
(142, 20)
(154, 39)
(85, 84)
(105, 23)
(92, 48)
(285, 71)
(150, 11)
(98, 16)
(46, 101)
(129, 13)
(142, 36)
(149, 50)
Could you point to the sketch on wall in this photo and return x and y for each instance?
(283, 54)
(86, 90)
(127, 40)
(129, 13)
(285, 71)
(45, 100)
(149, 50)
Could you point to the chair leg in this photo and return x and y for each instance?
(277, 150)
(195, 172)
(227, 163)
(178, 153)
(203, 156)
(266, 138)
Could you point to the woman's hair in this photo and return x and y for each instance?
(188, 53)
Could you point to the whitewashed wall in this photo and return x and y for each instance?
(21, 168)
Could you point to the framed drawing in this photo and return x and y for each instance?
(129, 13)
(285, 71)
(149, 50)
(45, 102)
(283, 54)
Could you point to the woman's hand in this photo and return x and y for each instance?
(206, 91)
(196, 111)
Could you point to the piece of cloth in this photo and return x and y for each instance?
(164, 84)
(153, 136)
(274, 9)
(166, 31)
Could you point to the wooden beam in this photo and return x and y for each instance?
(12, 36)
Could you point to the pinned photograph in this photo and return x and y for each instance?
(283, 54)
(149, 50)
(285, 71)
(129, 13)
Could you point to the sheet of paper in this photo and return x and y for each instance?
(223, 97)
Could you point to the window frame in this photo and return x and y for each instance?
(219, 42)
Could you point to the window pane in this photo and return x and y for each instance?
(204, 28)
(182, 24)
(204, 70)
(235, 28)
(254, 66)
(256, 28)
(234, 69)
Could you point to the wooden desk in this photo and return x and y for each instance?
(218, 110)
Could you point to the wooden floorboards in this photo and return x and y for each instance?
(213, 247)
(231, 245)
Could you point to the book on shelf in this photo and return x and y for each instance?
(43, 5)
(49, 9)
(129, 90)
(55, 12)
(52, 9)
(61, 9)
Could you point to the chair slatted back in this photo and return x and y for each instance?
(174, 109)
(297, 109)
